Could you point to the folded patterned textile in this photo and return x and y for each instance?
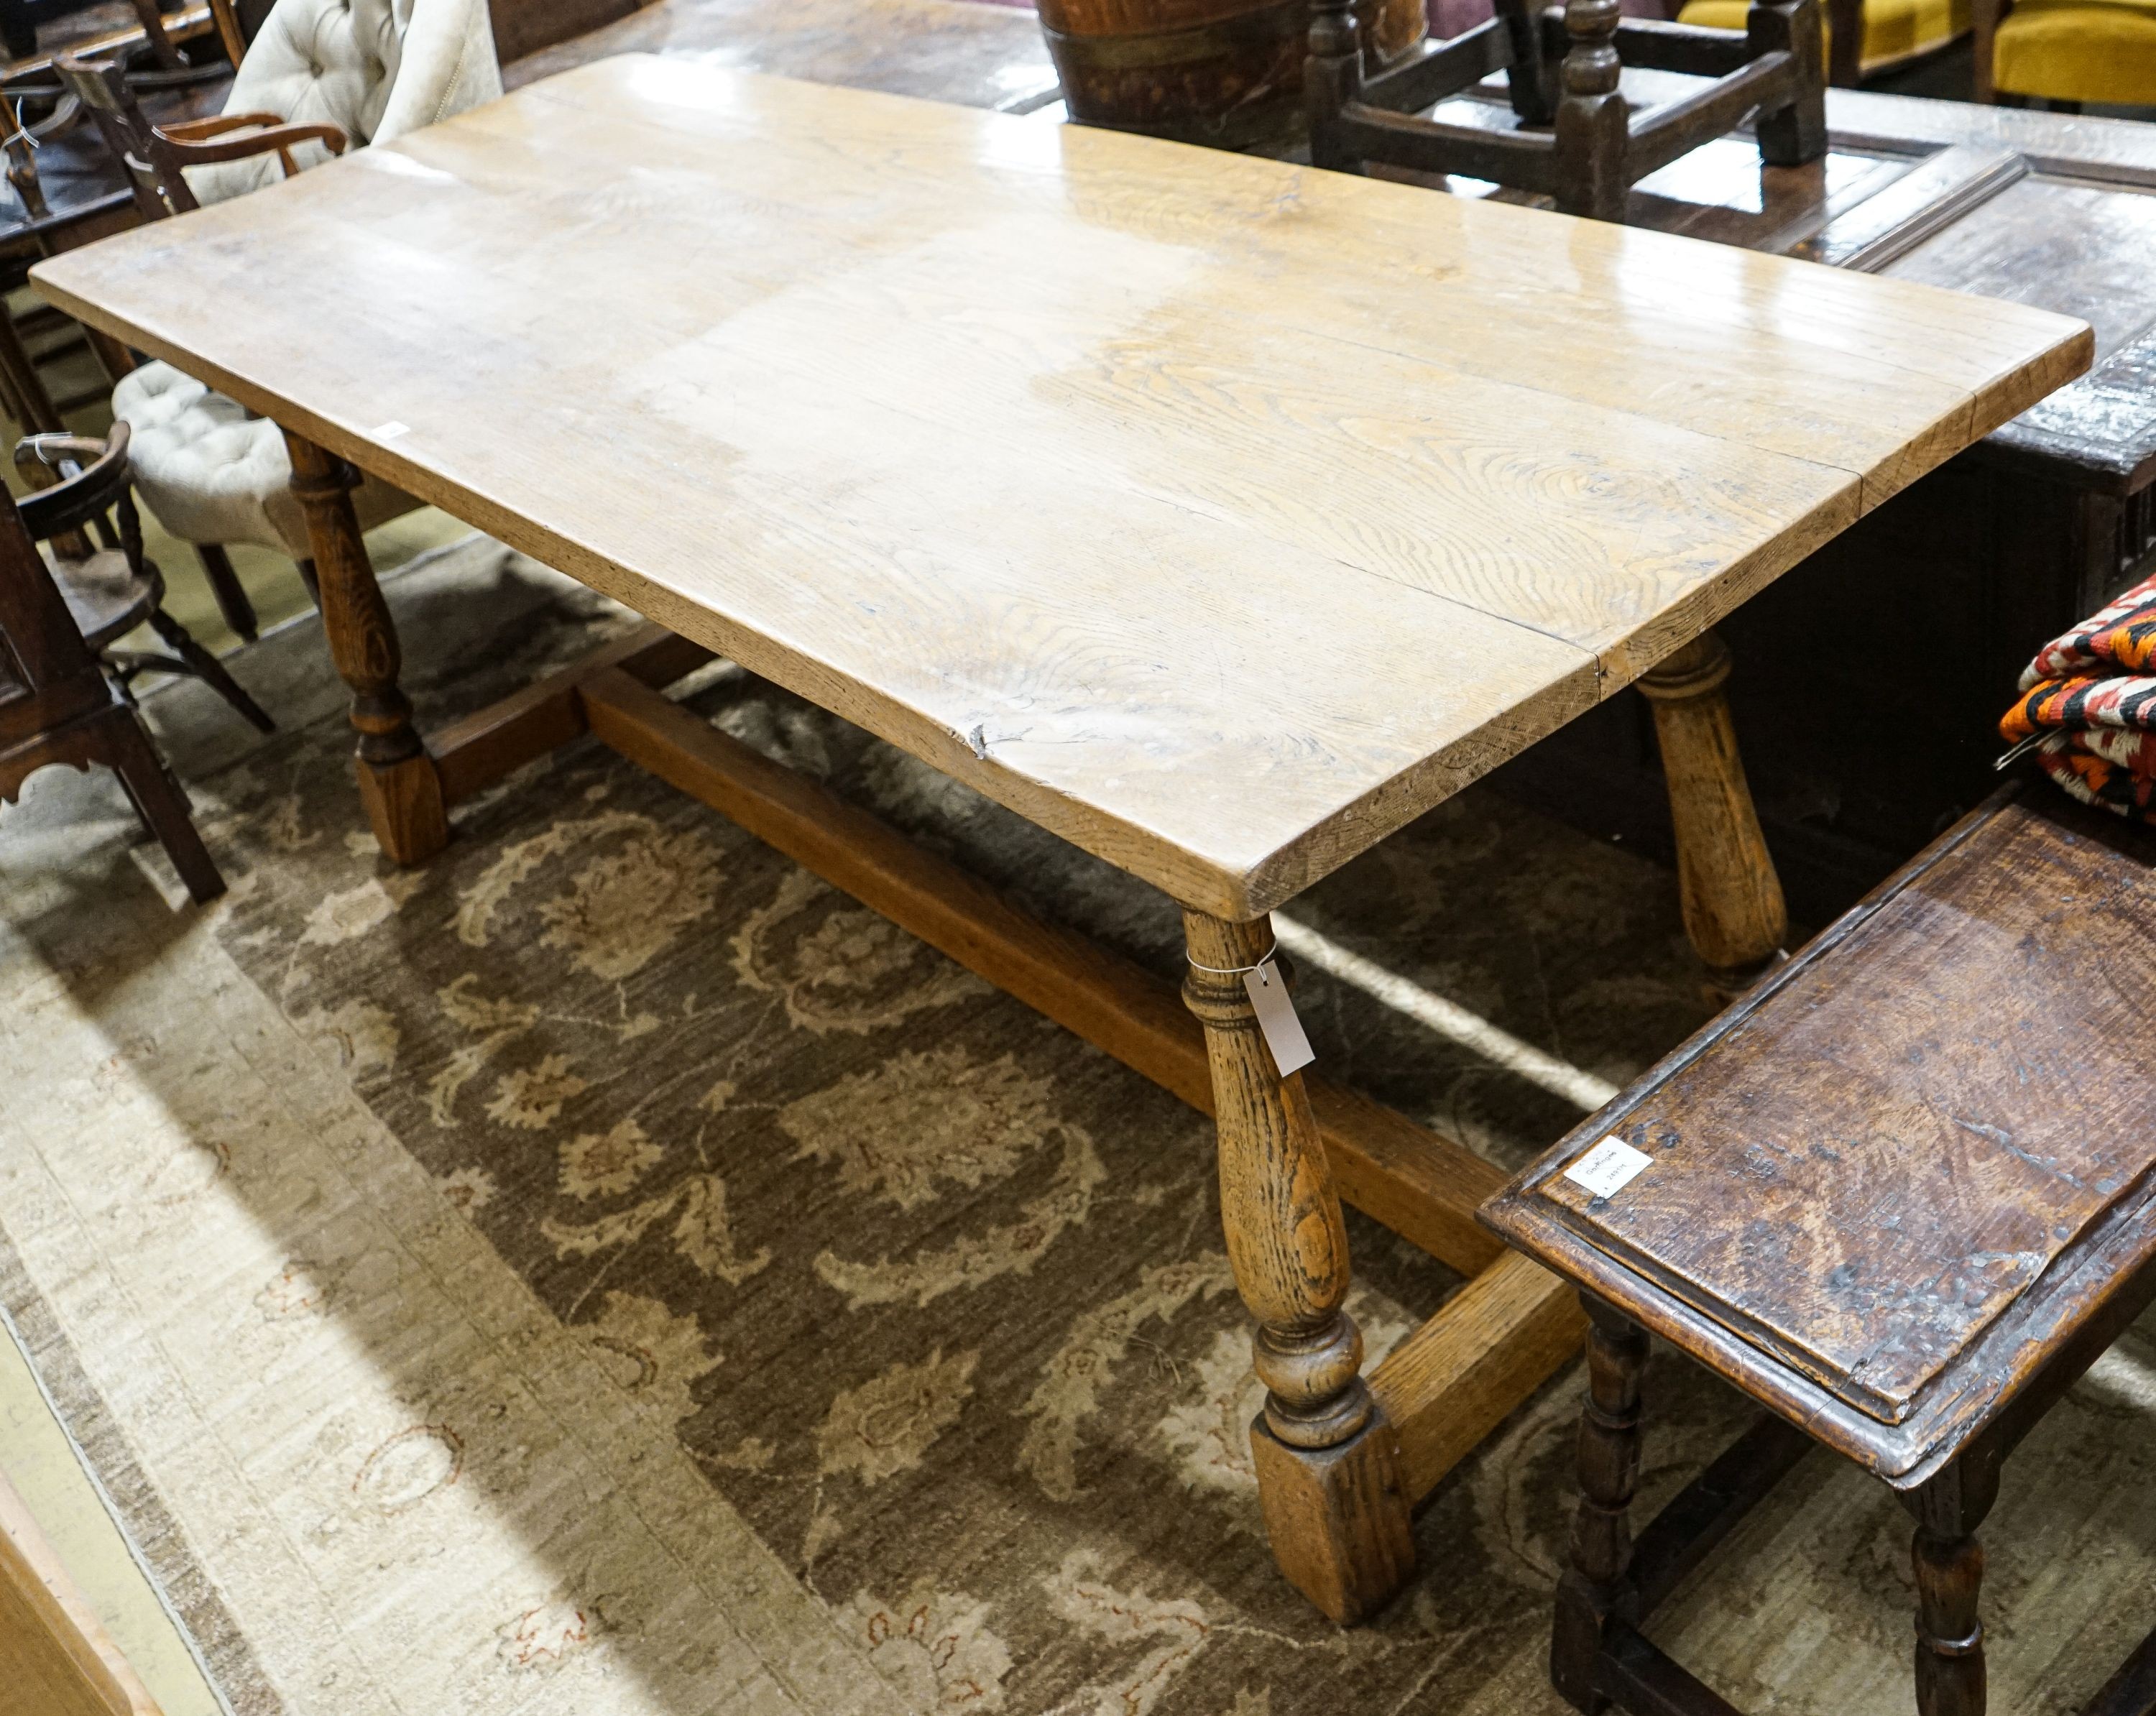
(2091, 697)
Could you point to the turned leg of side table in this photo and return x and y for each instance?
(1327, 1458)
(1593, 1592)
(1734, 909)
(1949, 1569)
(397, 780)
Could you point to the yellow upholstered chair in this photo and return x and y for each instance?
(2066, 52)
(1891, 33)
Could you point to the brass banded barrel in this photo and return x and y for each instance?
(1224, 72)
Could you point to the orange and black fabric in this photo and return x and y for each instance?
(2091, 695)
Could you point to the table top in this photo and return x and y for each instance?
(1217, 514)
(2049, 210)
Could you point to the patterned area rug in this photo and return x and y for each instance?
(923, 1295)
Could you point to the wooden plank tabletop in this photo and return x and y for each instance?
(1218, 514)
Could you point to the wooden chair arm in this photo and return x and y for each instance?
(39, 458)
(194, 130)
(280, 140)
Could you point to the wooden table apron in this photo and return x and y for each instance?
(1681, 474)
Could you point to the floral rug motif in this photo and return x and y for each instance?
(935, 1291)
(934, 1295)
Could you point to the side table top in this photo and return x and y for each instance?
(1885, 1187)
(1217, 514)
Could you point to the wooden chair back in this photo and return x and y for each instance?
(145, 154)
(25, 134)
(154, 157)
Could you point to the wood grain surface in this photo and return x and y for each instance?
(947, 50)
(1911, 1168)
(1894, 1174)
(56, 1659)
(1219, 515)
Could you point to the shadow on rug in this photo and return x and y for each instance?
(933, 1294)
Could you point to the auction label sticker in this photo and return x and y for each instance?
(1608, 1168)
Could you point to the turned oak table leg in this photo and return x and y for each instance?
(1733, 909)
(397, 780)
(1598, 1589)
(1327, 1459)
(1949, 1568)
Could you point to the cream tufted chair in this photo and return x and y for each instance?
(374, 69)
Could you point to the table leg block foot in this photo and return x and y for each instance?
(1338, 1517)
(405, 805)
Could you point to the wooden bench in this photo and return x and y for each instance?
(1901, 1195)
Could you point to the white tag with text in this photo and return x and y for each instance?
(389, 431)
(1610, 1167)
(1268, 990)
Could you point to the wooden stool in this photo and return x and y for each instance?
(1580, 140)
(1901, 1196)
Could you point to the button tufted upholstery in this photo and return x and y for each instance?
(213, 474)
(375, 68)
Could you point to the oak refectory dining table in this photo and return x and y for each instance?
(1218, 515)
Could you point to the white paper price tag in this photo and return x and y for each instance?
(1610, 1167)
(1284, 1037)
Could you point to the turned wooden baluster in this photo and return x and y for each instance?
(1593, 121)
(1733, 909)
(1597, 1587)
(1327, 1458)
(1949, 1568)
(1331, 78)
(397, 778)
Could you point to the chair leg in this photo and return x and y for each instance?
(160, 805)
(113, 357)
(206, 668)
(232, 600)
(309, 578)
